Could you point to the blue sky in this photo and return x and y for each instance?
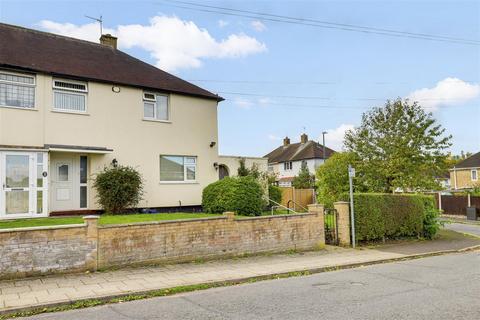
(294, 77)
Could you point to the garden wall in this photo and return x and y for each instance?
(32, 251)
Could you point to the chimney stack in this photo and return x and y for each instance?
(304, 138)
(286, 141)
(109, 40)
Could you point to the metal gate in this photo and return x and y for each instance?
(331, 227)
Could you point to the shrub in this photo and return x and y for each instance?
(380, 216)
(118, 188)
(275, 194)
(242, 195)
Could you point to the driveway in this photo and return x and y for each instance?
(473, 229)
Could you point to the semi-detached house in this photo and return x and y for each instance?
(68, 108)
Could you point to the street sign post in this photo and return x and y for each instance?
(351, 175)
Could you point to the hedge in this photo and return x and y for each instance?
(380, 216)
(243, 195)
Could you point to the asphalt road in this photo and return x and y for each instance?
(473, 229)
(442, 287)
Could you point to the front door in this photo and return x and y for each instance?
(23, 178)
(68, 182)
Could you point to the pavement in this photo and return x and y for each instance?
(30, 293)
(440, 287)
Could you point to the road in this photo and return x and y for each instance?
(441, 287)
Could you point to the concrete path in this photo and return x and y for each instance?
(32, 292)
(429, 288)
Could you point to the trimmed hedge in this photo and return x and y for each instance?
(243, 195)
(380, 216)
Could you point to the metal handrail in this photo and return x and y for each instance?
(278, 205)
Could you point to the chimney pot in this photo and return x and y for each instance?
(286, 141)
(109, 40)
(304, 138)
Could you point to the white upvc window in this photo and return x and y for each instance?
(156, 107)
(474, 175)
(287, 165)
(17, 90)
(178, 168)
(70, 96)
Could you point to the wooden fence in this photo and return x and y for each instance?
(456, 204)
(297, 199)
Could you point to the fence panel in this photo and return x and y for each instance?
(455, 205)
(297, 199)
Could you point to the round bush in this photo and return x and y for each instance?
(243, 195)
(275, 194)
(118, 188)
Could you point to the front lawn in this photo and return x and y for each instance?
(104, 219)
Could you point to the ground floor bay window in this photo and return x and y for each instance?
(24, 184)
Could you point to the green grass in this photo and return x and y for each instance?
(104, 219)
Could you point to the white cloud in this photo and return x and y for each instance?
(258, 25)
(334, 137)
(265, 101)
(172, 42)
(274, 137)
(243, 103)
(447, 92)
(223, 23)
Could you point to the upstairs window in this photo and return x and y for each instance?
(287, 166)
(155, 107)
(474, 175)
(70, 96)
(17, 90)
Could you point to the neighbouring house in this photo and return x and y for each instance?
(465, 174)
(69, 107)
(444, 180)
(285, 161)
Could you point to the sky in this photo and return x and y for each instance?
(282, 79)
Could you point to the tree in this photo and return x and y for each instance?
(332, 178)
(400, 146)
(242, 170)
(304, 180)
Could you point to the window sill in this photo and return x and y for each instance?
(178, 182)
(71, 112)
(19, 108)
(155, 120)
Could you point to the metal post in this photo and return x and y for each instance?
(440, 201)
(351, 174)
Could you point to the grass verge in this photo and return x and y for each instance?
(104, 219)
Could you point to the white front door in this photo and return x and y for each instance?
(68, 182)
(24, 184)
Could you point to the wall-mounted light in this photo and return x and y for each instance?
(212, 144)
(215, 165)
(116, 89)
(115, 163)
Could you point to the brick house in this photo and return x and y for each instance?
(465, 174)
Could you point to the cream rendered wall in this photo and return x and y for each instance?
(232, 162)
(115, 120)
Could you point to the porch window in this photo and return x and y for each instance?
(155, 107)
(17, 90)
(69, 96)
(178, 168)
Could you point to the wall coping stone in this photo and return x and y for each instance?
(159, 222)
(275, 216)
(40, 228)
(341, 202)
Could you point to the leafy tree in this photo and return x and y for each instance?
(242, 170)
(304, 180)
(118, 188)
(332, 178)
(400, 146)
